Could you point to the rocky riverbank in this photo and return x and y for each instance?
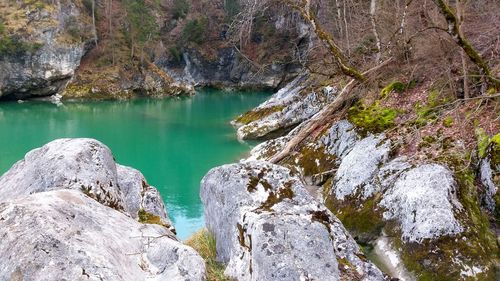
(422, 219)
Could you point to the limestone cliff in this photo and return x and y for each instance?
(41, 46)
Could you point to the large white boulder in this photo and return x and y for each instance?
(268, 227)
(86, 165)
(66, 235)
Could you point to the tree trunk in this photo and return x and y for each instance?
(339, 17)
(93, 23)
(373, 10)
(327, 40)
(463, 56)
(346, 29)
(454, 32)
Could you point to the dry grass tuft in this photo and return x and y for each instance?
(204, 243)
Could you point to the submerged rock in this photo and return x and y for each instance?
(268, 227)
(65, 235)
(85, 165)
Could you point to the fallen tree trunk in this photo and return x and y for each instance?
(318, 120)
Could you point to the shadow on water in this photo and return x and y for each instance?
(172, 141)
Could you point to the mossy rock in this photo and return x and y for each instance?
(362, 219)
(148, 218)
(311, 161)
(257, 114)
(396, 86)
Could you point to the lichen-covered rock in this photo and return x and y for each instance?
(268, 227)
(390, 172)
(65, 235)
(289, 107)
(357, 169)
(424, 201)
(51, 40)
(267, 149)
(230, 69)
(491, 197)
(85, 165)
(111, 83)
(340, 138)
(429, 222)
(138, 195)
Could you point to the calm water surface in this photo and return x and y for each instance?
(172, 141)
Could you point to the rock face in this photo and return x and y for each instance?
(232, 70)
(358, 168)
(286, 109)
(65, 235)
(227, 67)
(51, 40)
(69, 212)
(86, 165)
(491, 197)
(268, 227)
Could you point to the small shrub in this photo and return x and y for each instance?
(13, 46)
(232, 8)
(194, 31)
(175, 53)
(72, 28)
(180, 9)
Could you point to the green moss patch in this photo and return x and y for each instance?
(148, 218)
(372, 118)
(311, 161)
(428, 112)
(396, 86)
(362, 219)
(258, 114)
(448, 122)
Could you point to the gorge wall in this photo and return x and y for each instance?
(119, 49)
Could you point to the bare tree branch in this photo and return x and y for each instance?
(459, 38)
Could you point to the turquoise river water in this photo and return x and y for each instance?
(172, 141)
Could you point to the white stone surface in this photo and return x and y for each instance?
(268, 227)
(424, 201)
(65, 235)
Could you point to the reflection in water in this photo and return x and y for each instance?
(173, 141)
